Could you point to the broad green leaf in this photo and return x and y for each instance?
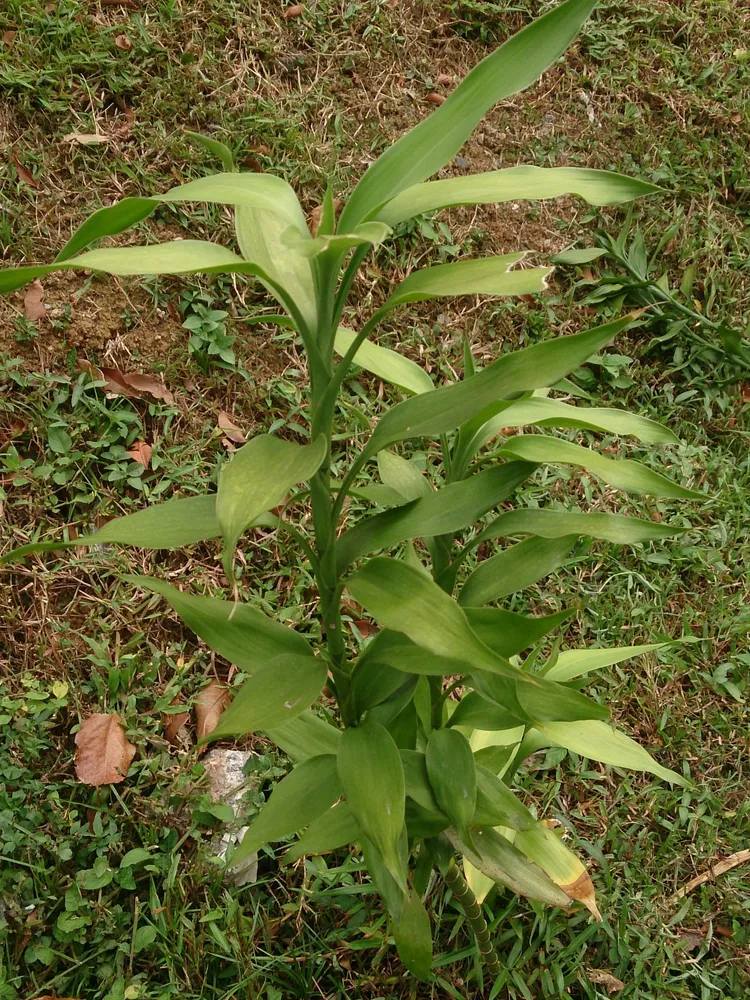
(485, 276)
(373, 233)
(336, 828)
(507, 632)
(297, 800)
(377, 493)
(386, 364)
(421, 824)
(277, 692)
(306, 736)
(417, 782)
(169, 525)
(573, 663)
(238, 632)
(542, 845)
(405, 600)
(573, 257)
(475, 712)
(548, 700)
(286, 272)
(249, 189)
(449, 509)
(393, 707)
(542, 411)
(177, 257)
(598, 741)
(498, 859)
(403, 476)
(522, 183)
(624, 474)
(428, 147)
(257, 478)
(413, 937)
(453, 777)
(514, 569)
(395, 650)
(441, 411)
(218, 149)
(372, 777)
(497, 805)
(392, 892)
(544, 523)
(374, 682)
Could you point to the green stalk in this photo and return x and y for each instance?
(474, 918)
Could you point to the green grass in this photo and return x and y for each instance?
(660, 89)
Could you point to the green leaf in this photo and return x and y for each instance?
(441, 411)
(542, 411)
(428, 147)
(508, 633)
(402, 476)
(497, 805)
(601, 742)
(135, 857)
(301, 797)
(177, 257)
(258, 478)
(617, 528)
(278, 691)
(417, 783)
(216, 148)
(373, 233)
(499, 860)
(514, 569)
(486, 276)
(405, 600)
(306, 736)
(238, 632)
(624, 474)
(522, 183)
(475, 712)
(374, 682)
(413, 937)
(548, 700)
(250, 189)
(453, 777)
(336, 828)
(143, 938)
(391, 892)
(372, 776)
(435, 513)
(386, 364)
(572, 257)
(573, 663)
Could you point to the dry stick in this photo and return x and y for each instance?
(720, 868)
(475, 919)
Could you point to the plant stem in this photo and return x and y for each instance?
(474, 918)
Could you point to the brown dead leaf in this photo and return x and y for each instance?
(103, 753)
(123, 42)
(444, 79)
(141, 452)
(124, 129)
(691, 938)
(601, 978)
(33, 302)
(583, 890)
(230, 428)
(365, 628)
(209, 704)
(746, 392)
(175, 726)
(436, 98)
(124, 384)
(8, 37)
(85, 138)
(23, 174)
(294, 11)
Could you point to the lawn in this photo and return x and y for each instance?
(115, 892)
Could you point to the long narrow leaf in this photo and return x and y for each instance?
(514, 569)
(386, 364)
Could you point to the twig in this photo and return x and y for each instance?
(720, 868)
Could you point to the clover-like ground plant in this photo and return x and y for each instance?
(436, 713)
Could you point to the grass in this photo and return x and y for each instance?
(660, 89)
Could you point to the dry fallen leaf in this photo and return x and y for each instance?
(123, 384)
(141, 452)
(85, 138)
(33, 302)
(294, 11)
(23, 173)
(123, 42)
(601, 978)
(365, 628)
(209, 704)
(231, 430)
(103, 753)
(690, 938)
(436, 98)
(8, 37)
(444, 79)
(175, 726)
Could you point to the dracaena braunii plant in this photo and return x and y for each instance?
(436, 713)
